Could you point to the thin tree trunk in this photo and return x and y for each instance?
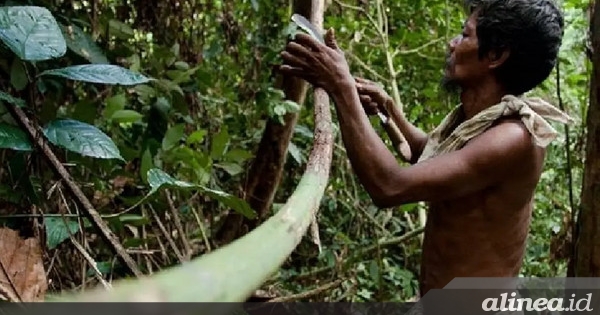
(586, 259)
(267, 168)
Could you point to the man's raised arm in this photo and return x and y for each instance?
(483, 162)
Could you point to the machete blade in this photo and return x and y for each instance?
(305, 24)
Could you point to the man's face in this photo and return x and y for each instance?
(464, 68)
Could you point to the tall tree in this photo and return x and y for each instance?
(267, 168)
(586, 259)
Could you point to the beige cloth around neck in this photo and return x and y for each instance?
(532, 111)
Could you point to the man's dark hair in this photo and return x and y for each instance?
(531, 30)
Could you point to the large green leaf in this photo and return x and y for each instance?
(12, 137)
(31, 32)
(99, 73)
(158, 179)
(82, 138)
(57, 231)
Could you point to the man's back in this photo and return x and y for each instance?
(484, 233)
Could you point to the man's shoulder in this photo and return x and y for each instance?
(508, 140)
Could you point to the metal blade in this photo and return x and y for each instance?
(308, 27)
(382, 117)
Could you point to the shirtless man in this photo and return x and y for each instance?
(479, 195)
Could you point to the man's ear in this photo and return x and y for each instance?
(497, 58)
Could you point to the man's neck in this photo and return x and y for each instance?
(476, 99)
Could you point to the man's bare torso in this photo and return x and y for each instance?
(482, 234)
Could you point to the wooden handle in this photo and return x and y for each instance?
(398, 140)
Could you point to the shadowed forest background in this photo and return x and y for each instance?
(216, 116)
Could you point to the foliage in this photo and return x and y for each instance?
(157, 110)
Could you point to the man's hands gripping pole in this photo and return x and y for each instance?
(322, 63)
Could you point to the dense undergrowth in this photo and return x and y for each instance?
(201, 118)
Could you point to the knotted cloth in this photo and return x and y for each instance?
(531, 110)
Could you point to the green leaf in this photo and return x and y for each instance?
(57, 231)
(126, 116)
(196, 137)
(103, 266)
(146, 164)
(291, 106)
(31, 33)
(158, 179)
(231, 168)
(99, 73)
(120, 29)
(219, 144)
(81, 138)
(82, 44)
(114, 104)
(18, 75)
(12, 137)
(231, 201)
(11, 99)
(294, 151)
(173, 136)
(237, 155)
(374, 271)
(134, 219)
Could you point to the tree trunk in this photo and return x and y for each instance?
(267, 168)
(586, 259)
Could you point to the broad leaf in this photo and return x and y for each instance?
(5, 97)
(57, 231)
(238, 155)
(31, 33)
(196, 137)
(114, 104)
(81, 138)
(295, 152)
(18, 75)
(99, 73)
(173, 136)
(103, 266)
(126, 116)
(219, 144)
(231, 201)
(12, 137)
(231, 168)
(158, 179)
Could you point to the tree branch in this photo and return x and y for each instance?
(36, 135)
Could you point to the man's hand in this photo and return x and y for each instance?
(321, 65)
(372, 96)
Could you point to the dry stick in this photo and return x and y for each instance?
(90, 261)
(394, 240)
(167, 236)
(82, 250)
(309, 293)
(387, 242)
(37, 136)
(146, 258)
(163, 249)
(202, 230)
(179, 226)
